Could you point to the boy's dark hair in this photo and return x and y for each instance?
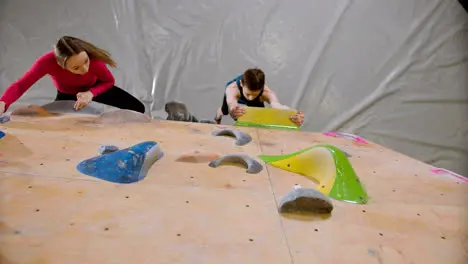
(254, 79)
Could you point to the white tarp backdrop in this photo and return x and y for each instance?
(395, 72)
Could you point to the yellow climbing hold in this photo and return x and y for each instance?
(328, 166)
(267, 117)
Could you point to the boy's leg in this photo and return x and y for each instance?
(219, 116)
(222, 111)
(119, 98)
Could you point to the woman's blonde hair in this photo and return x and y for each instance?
(68, 46)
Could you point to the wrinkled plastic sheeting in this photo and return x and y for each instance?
(394, 72)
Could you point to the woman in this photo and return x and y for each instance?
(78, 71)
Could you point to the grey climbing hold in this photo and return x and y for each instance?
(106, 149)
(177, 111)
(246, 161)
(4, 118)
(206, 121)
(241, 137)
(122, 116)
(66, 107)
(305, 200)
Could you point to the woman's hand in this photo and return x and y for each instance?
(298, 118)
(2, 107)
(237, 112)
(82, 100)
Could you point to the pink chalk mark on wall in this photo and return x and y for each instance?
(442, 171)
(355, 138)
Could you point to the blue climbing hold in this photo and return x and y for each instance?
(2, 134)
(123, 166)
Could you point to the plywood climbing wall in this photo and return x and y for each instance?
(185, 212)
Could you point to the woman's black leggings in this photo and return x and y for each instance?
(115, 97)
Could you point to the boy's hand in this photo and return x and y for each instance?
(237, 112)
(298, 118)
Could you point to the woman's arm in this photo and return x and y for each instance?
(18, 88)
(105, 77)
(270, 97)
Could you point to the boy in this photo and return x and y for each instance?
(250, 89)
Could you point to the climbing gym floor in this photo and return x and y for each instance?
(185, 211)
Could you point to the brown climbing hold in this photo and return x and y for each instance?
(197, 157)
(32, 110)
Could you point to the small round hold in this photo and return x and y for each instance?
(106, 149)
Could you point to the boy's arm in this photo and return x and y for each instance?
(271, 98)
(232, 94)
